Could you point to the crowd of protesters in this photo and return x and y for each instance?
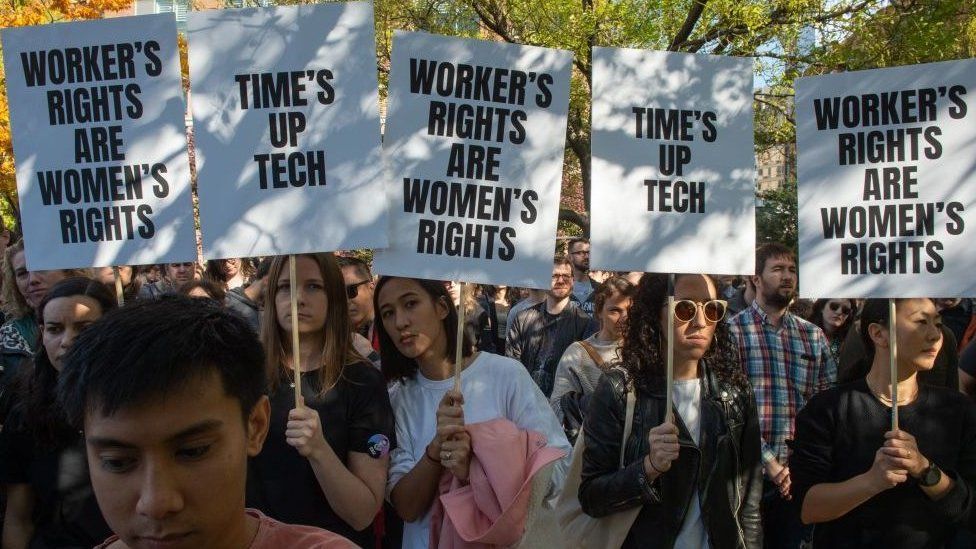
(171, 418)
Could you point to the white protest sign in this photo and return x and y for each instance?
(673, 184)
(474, 142)
(887, 181)
(287, 129)
(97, 117)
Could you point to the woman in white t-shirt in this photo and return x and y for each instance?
(418, 337)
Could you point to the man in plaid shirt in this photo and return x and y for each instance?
(788, 360)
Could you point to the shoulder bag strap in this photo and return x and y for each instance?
(590, 350)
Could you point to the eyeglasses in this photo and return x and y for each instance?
(844, 309)
(558, 276)
(686, 309)
(352, 290)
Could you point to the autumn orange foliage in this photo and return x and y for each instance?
(23, 13)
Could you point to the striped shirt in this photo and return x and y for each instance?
(787, 366)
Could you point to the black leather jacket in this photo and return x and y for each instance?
(726, 468)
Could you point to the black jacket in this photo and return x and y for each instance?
(726, 470)
(529, 330)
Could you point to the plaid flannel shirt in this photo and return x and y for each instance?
(786, 367)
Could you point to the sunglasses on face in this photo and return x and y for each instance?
(844, 309)
(352, 290)
(686, 309)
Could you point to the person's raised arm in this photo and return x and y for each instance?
(828, 501)
(354, 492)
(354, 487)
(415, 491)
(812, 460)
(604, 487)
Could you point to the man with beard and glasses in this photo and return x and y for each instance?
(788, 361)
(539, 335)
(584, 286)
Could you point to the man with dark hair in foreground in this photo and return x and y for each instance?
(171, 397)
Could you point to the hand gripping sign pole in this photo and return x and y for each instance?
(669, 381)
(460, 338)
(893, 363)
(295, 357)
(118, 286)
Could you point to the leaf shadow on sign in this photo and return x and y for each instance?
(298, 223)
(410, 150)
(662, 242)
(957, 165)
(172, 221)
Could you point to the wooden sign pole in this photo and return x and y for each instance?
(893, 363)
(118, 286)
(669, 381)
(295, 356)
(460, 338)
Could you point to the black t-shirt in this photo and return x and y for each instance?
(355, 415)
(837, 435)
(66, 514)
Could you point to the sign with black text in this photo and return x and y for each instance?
(97, 119)
(673, 163)
(474, 144)
(887, 181)
(287, 130)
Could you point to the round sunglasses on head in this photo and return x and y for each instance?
(714, 309)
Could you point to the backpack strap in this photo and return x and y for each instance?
(590, 350)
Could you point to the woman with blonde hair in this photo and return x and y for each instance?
(326, 459)
(23, 291)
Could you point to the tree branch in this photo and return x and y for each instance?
(496, 22)
(776, 17)
(580, 219)
(778, 108)
(694, 14)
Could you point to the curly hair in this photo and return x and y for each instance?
(644, 348)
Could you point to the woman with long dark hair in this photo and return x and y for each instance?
(325, 461)
(50, 502)
(835, 317)
(865, 485)
(418, 341)
(704, 464)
